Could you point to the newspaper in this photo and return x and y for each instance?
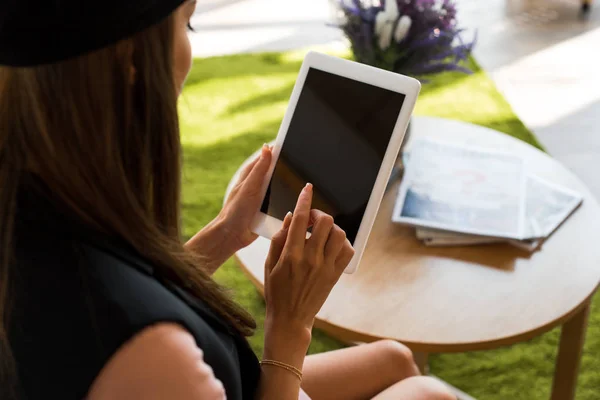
(435, 236)
(547, 206)
(463, 189)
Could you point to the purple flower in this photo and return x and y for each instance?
(432, 43)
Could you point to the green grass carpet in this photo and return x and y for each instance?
(231, 105)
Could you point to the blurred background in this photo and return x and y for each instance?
(543, 55)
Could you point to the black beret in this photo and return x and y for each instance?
(36, 32)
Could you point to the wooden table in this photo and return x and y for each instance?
(467, 298)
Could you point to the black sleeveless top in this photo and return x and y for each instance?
(79, 295)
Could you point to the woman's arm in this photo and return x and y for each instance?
(289, 345)
(214, 244)
(161, 362)
(164, 362)
(299, 275)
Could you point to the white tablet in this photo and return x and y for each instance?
(342, 132)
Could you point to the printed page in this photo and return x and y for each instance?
(462, 189)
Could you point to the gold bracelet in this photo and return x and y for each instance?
(285, 366)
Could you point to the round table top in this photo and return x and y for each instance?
(461, 298)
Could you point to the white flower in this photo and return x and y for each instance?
(385, 36)
(384, 23)
(402, 28)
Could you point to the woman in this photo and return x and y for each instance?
(99, 298)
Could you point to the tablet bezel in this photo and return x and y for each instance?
(266, 225)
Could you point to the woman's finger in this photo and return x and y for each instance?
(335, 242)
(300, 219)
(277, 244)
(344, 257)
(323, 223)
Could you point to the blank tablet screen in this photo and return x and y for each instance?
(336, 140)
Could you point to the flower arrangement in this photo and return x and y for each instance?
(412, 37)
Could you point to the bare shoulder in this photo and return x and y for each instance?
(160, 362)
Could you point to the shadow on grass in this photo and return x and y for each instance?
(272, 63)
(283, 93)
(274, 96)
(204, 69)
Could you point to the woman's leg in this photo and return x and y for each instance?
(417, 388)
(359, 372)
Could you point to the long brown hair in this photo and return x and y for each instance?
(108, 147)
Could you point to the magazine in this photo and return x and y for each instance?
(436, 238)
(463, 189)
(547, 206)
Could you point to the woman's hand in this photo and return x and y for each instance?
(230, 231)
(299, 275)
(244, 201)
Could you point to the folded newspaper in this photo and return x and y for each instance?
(461, 195)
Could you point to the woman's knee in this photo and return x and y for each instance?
(429, 388)
(398, 356)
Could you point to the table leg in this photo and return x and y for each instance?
(572, 338)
